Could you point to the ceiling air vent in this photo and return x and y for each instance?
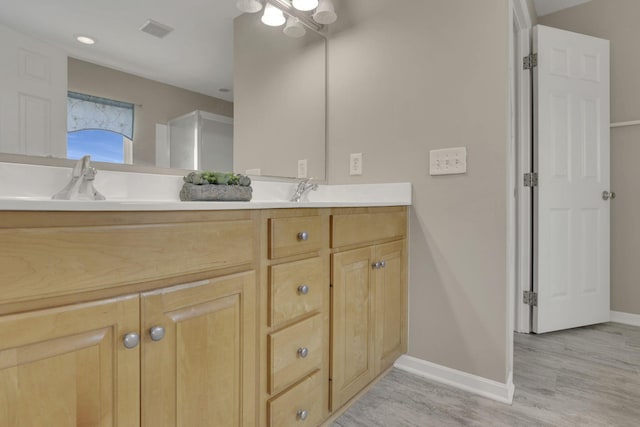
(156, 29)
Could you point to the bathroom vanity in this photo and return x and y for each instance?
(251, 316)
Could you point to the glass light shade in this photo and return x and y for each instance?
(325, 13)
(272, 16)
(294, 28)
(305, 5)
(249, 6)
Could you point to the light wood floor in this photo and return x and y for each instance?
(582, 377)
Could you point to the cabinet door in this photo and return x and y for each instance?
(352, 354)
(391, 310)
(202, 371)
(68, 366)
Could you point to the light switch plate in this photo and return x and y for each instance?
(448, 161)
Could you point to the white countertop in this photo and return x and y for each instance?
(29, 188)
(31, 204)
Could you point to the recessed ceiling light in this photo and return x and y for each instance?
(85, 39)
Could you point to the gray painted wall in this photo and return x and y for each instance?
(617, 21)
(405, 80)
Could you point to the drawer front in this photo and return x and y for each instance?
(297, 235)
(44, 262)
(287, 409)
(288, 362)
(352, 229)
(295, 288)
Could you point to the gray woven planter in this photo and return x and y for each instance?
(211, 192)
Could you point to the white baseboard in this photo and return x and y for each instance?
(459, 379)
(626, 318)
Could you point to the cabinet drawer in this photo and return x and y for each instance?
(287, 409)
(351, 229)
(298, 235)
(295, 288)
(287, 361)
(52, 261)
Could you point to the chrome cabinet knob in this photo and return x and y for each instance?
(303, 236)
(375, 265)
(383, 264)
(131, 340)
(156, 333)
(303, 352)
(302, 414)
(606, 195)
(303, 289)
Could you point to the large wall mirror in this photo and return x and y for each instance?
(181, 85)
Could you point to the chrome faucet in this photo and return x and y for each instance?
(303, 187)
(81, 185)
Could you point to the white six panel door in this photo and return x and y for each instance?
(572, 153)
(33, 96)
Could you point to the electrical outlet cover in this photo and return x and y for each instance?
(355, 164)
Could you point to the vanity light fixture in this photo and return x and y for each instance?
(325, 13)
(272, 16)
(300, 14)
(294, 28)
(249, 6)
(85, 39)
(305, 5)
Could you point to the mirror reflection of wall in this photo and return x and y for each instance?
(37, 55)
(279, 99)
(155, 103)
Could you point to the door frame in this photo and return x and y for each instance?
(519, 211)
(520, 239)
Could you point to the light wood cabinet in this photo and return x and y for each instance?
(190, 279)
(269, 318)
(295, 320)
(68, 366)
(352, 324)
(198, 363)
(369, 298)
(391, 296)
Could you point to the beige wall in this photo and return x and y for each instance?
(617, 21)
(155, 102)
(532, 12)
(402, 81)
(279, 93)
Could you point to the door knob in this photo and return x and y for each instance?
(608, 195)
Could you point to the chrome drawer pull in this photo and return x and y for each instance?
(131, 340)
(156, 333)
(303, 289)
(302, 414)
(303, 236)
(303, 352)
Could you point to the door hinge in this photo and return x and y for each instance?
(530, 61)
(530, 298)
(531, 179)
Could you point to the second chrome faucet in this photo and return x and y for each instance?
(303, 187)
